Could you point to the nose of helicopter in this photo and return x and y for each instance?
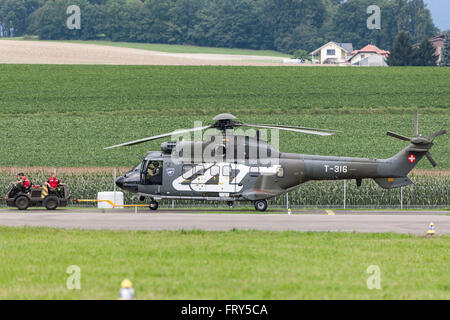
(128, 183)
(119, 182)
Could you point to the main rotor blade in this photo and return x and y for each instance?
(130, 143)
(398, 136)
(416, 123)
(319, 133)
(428, 155)
(302, 128)
(436, 134)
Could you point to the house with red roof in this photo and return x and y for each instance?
(370, 55)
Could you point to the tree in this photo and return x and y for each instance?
(301, 54)
(424, 54)
(283, 25)
(401, 52)
(52, 20)
(14, 14)
(445, 61)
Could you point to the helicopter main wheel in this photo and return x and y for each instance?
(153, 205)
(261, 205)
(230, 204)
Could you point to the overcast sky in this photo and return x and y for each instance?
(440, 10)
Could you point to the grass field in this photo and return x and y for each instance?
(221, 265)
(72, 112)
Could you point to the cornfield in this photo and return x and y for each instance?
(430, 190)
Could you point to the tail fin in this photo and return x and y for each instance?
(404, 161)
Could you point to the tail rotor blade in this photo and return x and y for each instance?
(398, 136)
(428, 155)
(436, 134)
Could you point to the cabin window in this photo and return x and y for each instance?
(254, 171)
(280, 172)
(215, 170)
(226, 171)
(331, 52)
(199, 170)
(187, 171)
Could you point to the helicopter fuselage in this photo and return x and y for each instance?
(220, 171)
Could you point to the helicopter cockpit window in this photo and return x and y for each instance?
(187, 171)
(138, 167)
(154, 172)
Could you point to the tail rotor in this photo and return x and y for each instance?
(421, 144)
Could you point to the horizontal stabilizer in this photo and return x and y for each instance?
(389, 183)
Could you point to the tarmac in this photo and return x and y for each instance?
(398, 221)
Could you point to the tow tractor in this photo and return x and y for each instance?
(37, 196)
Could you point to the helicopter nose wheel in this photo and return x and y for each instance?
(230, 204)
(261, 205)
(153, 205)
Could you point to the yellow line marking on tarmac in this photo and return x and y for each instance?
(330, 212)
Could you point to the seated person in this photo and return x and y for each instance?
(53, 183)
(153, 169)
(22, 184)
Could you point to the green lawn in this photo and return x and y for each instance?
(221, 265)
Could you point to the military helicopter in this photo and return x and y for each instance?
(231, 167)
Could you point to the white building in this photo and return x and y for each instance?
(370, 55)
(332, 53)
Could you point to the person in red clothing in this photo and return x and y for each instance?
(23, 183)
(53, 183)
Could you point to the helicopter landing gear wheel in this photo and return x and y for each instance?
(230, 204)
(261, 205)
(153, 205)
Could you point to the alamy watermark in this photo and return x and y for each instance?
(73, 282)
(374, 20)
(74, 20)
(240, 144)
(374, 280)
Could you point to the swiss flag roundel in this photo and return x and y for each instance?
(411, 158)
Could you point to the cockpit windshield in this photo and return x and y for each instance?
(138, 167)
